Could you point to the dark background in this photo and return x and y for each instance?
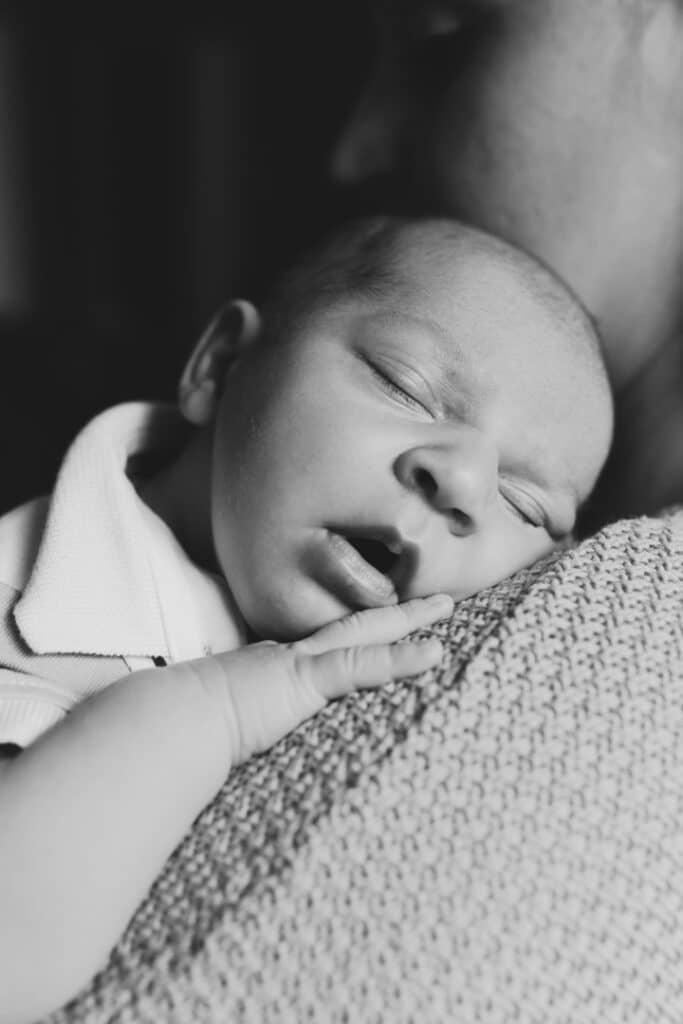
(151, 166)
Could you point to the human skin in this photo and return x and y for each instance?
(112, 788)
(433, 421)
(556, 125)
(435, 415)
(552, 124)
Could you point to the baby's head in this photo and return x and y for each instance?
(422, 408)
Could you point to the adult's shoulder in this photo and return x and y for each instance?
(497, 839)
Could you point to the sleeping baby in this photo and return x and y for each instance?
(419, 412)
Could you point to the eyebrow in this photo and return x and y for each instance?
(447, 349)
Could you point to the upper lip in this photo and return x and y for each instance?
(388, 535)
(404, 549)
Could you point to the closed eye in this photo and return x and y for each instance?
(517, 510)
(397, 390)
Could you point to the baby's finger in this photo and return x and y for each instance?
(335, 673)
(380, 625)
(265, 704)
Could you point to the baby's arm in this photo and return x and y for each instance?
(90, 812)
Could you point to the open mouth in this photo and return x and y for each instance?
(377, 553)
(361, 569)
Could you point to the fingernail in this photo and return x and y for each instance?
(441, 602)
(432, 646)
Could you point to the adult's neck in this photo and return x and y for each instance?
(644, 473)
(637, 286)
(632, 281)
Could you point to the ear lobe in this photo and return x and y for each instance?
(233, 329)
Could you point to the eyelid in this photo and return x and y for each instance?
(392, 379)
(528, 509)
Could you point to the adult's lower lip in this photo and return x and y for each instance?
(335, 563)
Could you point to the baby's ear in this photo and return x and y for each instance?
(233, 329)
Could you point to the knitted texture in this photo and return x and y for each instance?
(499, 840)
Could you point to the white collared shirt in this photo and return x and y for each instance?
(93, 584)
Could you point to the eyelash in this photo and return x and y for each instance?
(396, 390)
(519, 513)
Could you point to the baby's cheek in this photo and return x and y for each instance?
(494, 559)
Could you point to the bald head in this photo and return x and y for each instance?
(501, 305)
(375, 257)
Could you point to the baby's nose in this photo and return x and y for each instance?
(458, 480)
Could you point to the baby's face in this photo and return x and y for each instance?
(436, 442)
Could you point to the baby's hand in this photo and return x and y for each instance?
(267, 689)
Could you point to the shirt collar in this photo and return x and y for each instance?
(110, 577)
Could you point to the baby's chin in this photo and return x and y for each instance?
(290, 614)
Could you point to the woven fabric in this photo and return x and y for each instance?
(500, 840)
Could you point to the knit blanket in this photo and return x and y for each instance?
(499, 840)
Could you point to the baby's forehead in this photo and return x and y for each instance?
(455, 260)
(484, 303)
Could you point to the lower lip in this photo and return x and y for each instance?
(335, 563)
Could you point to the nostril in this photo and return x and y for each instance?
(425, 482)
(441, 493)
(462, 521)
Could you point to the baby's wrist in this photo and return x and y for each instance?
(208, 679)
